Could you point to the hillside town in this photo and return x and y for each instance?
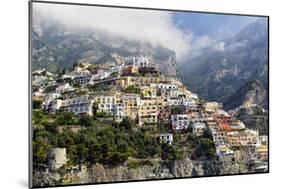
(136, 89)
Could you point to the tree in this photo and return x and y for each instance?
(40, 151)
(95, 154)
(65, 118)
(205, 150)
(118, 158)
(168, 152)
(86, 120)
(126, 123)
(95, 108)
(36, 104)
(51, 127)
(82, 152)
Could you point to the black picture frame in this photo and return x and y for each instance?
(30, 127)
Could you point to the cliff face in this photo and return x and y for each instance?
(158, 170)
(252, 92)
(217, 75)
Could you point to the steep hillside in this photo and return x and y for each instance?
(252, 92)
(56, 46)
(216, 75)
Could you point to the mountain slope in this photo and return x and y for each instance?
(251, 93)
(216, 75)
(56, 46)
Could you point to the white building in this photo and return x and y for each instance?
(80, 72)
(131, 98)
(166, 86)
(180, 121)
(106, 102)
(173, 93)
(197, 118)
(49, 99)
(55, 106)
(186, 102)
(79, 105)
(212, 106)
(82, 80)
(224, 150)
(263, 140)
(140, 61)
(194, 96)
(111, 104)
(51, 83)
(166, 138)
(199, 128)
(38, 80)
(174, 102)
(219, 136)
(57, 158)
(249, 138)
(189, 103)
(64, 88)
(39, 93)
(118, 112)
(237, 125)
(99, 76)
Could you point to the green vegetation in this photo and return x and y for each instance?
(86, 121)
(102, 115)
(108, 144)
(170, 153)
(98, 87)
(137, 164)
(36, 104)
(95, 108)
(132, 89)
(102, 140)
(65, 118)
(205, 150)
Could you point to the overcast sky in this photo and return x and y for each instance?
(185, 33)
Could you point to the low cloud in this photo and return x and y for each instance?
(156, 27)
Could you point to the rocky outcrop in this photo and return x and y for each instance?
(254, 117)
(98, 173)
(252, 92)
(217, 75)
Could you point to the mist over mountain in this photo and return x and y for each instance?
(57, 46)
(186, 45)
(217, 75)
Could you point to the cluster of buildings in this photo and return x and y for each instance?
(159, 99)
(230, 134)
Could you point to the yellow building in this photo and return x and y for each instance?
(146, 81)
(212, 106)
(148, 91)
(149, 109)
(263, 152)
(126, 81)
(233, 138)
(131, 104)
(123, 82)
